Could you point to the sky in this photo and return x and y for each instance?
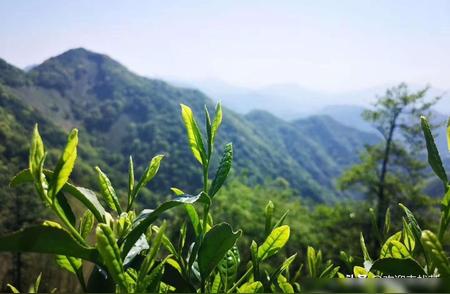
(329, 46)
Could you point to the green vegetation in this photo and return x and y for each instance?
(120, 113)
(136, 253)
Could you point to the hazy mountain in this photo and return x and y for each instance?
(120, 113)
(290, 101)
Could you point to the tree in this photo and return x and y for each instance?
(393, 169)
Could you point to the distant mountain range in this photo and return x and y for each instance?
(120, 113)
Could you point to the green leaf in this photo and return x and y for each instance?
(268, 214)
(65, 164)
(251, 287)
(360, 272)
(177, 191)
(215, 287)
(146, 218)
(36, 239)
(69, 263)
(281, 220)
(108, 192)
(228, 267)
(149, 259)
(433, 154)
(193, 216)
(222, 171)
(107, 246)
(150, 283)
(208, 132)
(149, 173)
(274, 242)
(434, 250)
(12, 288)
(86, 224)
(214, 246)
(408, 238)
(130, 180)
(283, 267)
(312, 261)
(217, 121)
(193, 134)
(36, 152)
(414, 225)
(35, 287)
(394, 266)
(364, 249)
(85, 196)
(60, 203)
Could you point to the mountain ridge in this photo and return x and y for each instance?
(122, 113)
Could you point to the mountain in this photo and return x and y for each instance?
(120, 113)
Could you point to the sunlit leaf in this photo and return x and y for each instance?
(274, 242)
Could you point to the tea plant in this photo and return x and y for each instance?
(131, 253)
(414, 252)
(126, 250)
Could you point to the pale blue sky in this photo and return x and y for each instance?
(322, 45)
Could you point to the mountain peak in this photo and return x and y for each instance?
(64, 71)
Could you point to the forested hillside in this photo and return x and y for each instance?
(127, 114)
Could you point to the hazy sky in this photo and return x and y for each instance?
(320, 45)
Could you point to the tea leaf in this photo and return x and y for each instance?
(222, 171)
(364, 249)
(274, 242)
(268, 214)
(107, 246)
(193, 134)
(86, 224)
(108, 192)
(250, 287)
(36, 152)
(69, 263)
(36, 239)
(433, 154)
(228, 267)
(193, 216)
(217, 121)
(65, 164)
(130, 180)
(437, 254)
(149, 173)
(214, 246)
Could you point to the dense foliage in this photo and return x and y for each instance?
(133, 252)
(121, 113)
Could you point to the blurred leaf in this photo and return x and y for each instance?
(437, 254)
(433, 154)
(251, 287)
(36, 239)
